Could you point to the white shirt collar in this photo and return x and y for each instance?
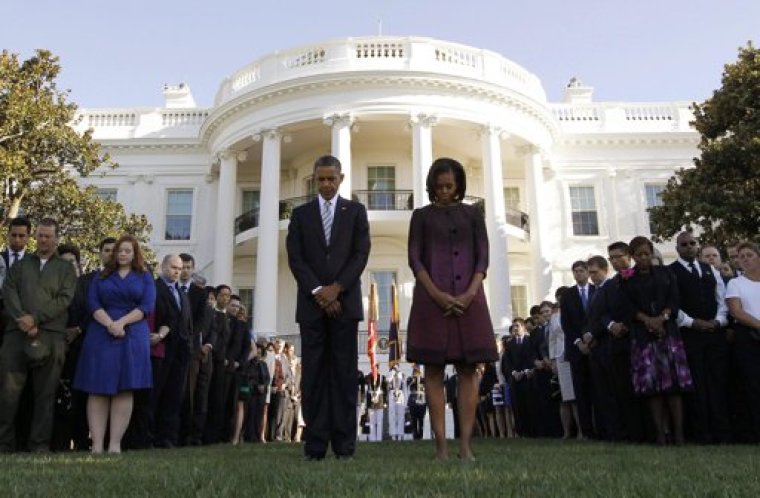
(322, 202)
(686, 265)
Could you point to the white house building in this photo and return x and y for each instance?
(558, 180)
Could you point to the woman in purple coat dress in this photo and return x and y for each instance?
(449, 321)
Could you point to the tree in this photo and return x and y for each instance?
(42, 156)
(720, 197)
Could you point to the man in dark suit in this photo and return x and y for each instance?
(517, 365)
(213, 425)
(546, 408)
(199, 371)
(623, 414)
(574, 318)
(702, 317)
(172, 311)
(328, 246)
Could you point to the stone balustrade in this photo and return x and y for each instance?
(407, 54)
(621, 117)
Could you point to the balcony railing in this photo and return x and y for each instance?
(375, 200)
(382, 343)
(385, 200)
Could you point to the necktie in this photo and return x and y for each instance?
(327, 221)
(175, 293)
(183, 289)
(693, 269)
(584, 298)
(15, 258)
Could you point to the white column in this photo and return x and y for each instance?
(422, 155)
(500, 293)
(225, 210)
(539, 238)
(265, 287)
(341, 148)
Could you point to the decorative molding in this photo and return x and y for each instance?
(267, 133)
(338, 120)
(423, 119)
(482, 91)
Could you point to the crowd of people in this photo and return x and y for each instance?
(639, 352)
(116, 358)
(119, 358)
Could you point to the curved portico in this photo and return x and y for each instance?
(398, 107)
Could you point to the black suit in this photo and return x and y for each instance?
(195, 401)
(619, 415)
(170, 388)
(708, 355)
(519, 354)
(546, 407)
(574, 320)
(329, 345)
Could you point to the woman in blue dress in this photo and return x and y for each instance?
(115, 357)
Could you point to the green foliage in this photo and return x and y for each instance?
(720, 197)
(41, 157)
(505, 468)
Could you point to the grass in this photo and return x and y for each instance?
(520, 468)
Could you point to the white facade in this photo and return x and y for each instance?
(387, 106)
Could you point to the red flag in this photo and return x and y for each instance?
(394, 345)
(372, 329)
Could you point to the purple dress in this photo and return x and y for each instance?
(108, 365)
(658, 366)
(451, 243)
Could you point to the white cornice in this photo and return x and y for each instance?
(318, 84)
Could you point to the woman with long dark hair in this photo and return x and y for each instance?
(115, 357)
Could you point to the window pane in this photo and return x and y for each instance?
(383, 279)
(519, 301)
(583, 207)
(382, 181)
(512, 198)
(107, 194)
(250, 200)
(179, 214)
(654, 198)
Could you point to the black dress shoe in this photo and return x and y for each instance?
(313, 458)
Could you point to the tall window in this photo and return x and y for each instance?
(583, 208)
(512, 198)
(107, 194)
(519, 301)
(250, 200)
(654, 198)
(381, 182)
(179, 214)
(383, 279)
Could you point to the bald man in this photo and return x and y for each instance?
(174, 328)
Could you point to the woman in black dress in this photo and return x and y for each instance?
(658, 359)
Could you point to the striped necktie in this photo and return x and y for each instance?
(327, 221)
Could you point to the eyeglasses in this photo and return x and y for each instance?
(687, 244)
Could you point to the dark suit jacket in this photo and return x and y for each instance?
(199, 309)
(238, 344)
(179, 320)
(608, 305)
(517, 356)
(315, 264)
(574, 320)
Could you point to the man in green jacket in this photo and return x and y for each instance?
(37, 292)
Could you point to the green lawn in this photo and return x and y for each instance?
(504, 468)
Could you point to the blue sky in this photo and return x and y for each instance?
(119, 54)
